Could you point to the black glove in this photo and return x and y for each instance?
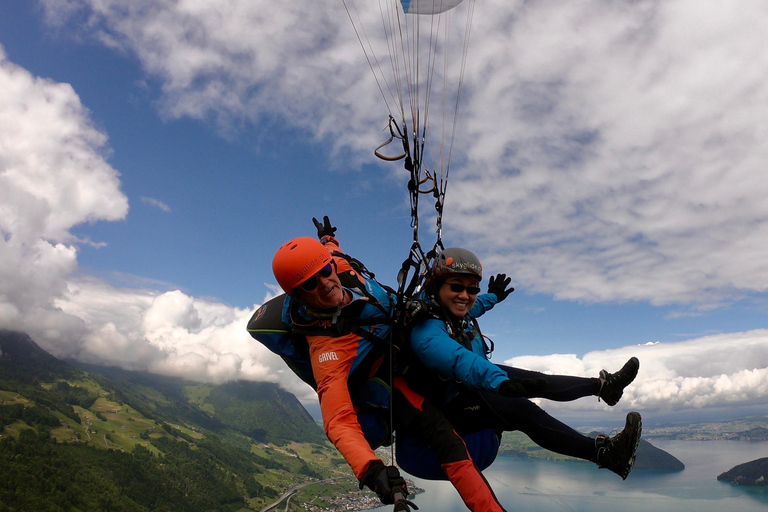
(384, 481)
(518, 388)
(497, 285)
(413, 311)
(325, 228)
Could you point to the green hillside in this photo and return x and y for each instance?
(261, 411)
(73, 440)
(264, 412)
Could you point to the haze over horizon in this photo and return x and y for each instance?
(609, 158)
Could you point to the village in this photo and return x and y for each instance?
(348, 497)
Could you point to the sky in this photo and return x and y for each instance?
(609, 157)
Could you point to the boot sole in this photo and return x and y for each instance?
(635, 423)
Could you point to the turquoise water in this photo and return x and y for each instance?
(545, 486)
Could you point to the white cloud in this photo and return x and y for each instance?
(53, 176)
(713, 371)
(234, 61)
(174, 334)
(169, 333)
(54, 170)
(156, 202)
(619, 146)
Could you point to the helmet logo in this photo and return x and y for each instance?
(461, 266)
(299, 274)
(455, 260)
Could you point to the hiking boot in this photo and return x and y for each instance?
(618, 453)
(614, 383)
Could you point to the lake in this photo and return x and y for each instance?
(548, 486)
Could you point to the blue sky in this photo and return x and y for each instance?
(609, 157)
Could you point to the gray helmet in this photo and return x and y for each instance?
(455, 261)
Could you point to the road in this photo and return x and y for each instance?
(293, 490)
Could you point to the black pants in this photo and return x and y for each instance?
(474, 410)
(414, 416)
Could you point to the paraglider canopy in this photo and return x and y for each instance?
(428, 6)
(418, 61)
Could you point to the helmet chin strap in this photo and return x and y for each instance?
(333, 312)
(455, 324)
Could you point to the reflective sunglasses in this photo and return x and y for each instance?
(458, 288)
(311, 283)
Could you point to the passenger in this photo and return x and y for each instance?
(447, 340)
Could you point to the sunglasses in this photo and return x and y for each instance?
(311, 283)
(458, 288)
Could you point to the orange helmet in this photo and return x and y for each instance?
(298, 260)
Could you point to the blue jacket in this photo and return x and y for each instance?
(432, 343)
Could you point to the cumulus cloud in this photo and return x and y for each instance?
(170, 333)
(713, 371)
(175, 334)
(53, 176)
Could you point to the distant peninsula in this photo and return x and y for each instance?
(752, 474)
(649, 457)
(655, 459)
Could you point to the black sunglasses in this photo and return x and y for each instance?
(311, 283)
(458, 288)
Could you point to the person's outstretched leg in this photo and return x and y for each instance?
(418, 417)
(560, 388)
(471, 411)
(565, 388)
(521, 414)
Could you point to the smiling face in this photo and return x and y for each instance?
(458, 303)
(328, 294)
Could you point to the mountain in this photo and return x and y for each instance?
(652, 458)
(95, 438)
(22, 360)
(753, 474)
(261, 411)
